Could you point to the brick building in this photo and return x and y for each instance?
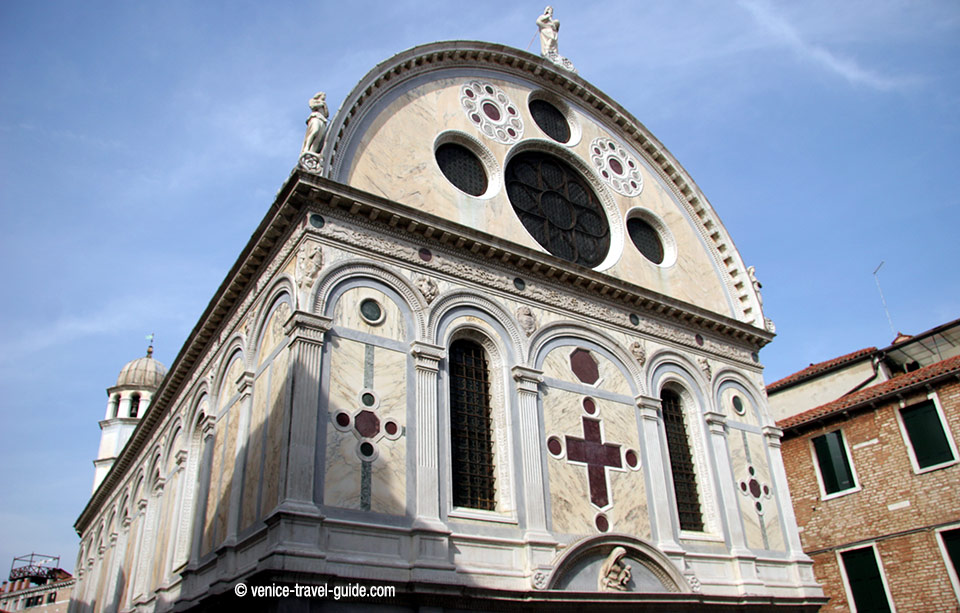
(874, 474)
(37, 584)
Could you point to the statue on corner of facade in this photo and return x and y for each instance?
(316, 130)
(549, 32)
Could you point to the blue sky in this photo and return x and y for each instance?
(141, 143)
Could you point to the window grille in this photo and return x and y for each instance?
(646, 239)
(471, 442)
(462, 168)
(681, 463)
(557, 207)
(550, 120)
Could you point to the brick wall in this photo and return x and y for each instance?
(912, 563)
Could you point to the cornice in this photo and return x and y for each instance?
(483, 55)
(428, 229)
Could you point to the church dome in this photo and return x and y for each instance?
(143, 372)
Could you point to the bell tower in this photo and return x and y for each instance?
(127, 402)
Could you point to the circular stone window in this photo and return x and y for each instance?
(550, 120)
(738, 405)
(651, 237)
(462, 167)
(371, 311)
(645, 239)
(558, 208)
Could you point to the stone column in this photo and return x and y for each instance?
(528, 382)
(427, 359)
(717, 429)
(298, 470)
(243, 407)
(656, 459)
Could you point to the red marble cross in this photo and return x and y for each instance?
(597, 455)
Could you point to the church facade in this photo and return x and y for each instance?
(490, 346)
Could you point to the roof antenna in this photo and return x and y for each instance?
(882, 299)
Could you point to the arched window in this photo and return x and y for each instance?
(115, 406)
(134, 405)
(471, 440)
(681, 462)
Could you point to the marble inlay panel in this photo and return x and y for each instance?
(342, 481)
(229, 466)
(762, 527)
(251, 474)
(572, 489)
(213, 496)
(274, 450)
(389, 493)
(556, 365)
(273, 332)
(228, 387)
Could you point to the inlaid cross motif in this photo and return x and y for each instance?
(597, 455)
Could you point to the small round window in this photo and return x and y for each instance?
(550, 120)
(462, 168)
(646, 239)
(738, 405)
(371, 311)
(558, 208)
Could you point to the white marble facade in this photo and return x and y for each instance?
(307, 434)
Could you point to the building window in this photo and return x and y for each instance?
(51, 597)
(462, 168)
(134, 405)
(865, 585)
(550, 120)
(836, 474)
(681, 463)
(471, 440)
(927, 436)
(558, 208)
(950, 543)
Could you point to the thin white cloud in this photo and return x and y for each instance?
(789, 36)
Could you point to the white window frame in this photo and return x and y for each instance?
(909, 444)
(846, 581)
(951, 572)
(816, 467)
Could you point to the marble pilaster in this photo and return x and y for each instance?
(655, 459)
(528, 382)
(427, 359)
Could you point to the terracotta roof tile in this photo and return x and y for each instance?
(815, 369)
(946, 367)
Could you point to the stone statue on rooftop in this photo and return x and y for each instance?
(316, 130)
(549, 32)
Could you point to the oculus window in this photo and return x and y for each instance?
(646, 239)
(558, 208)
(462, 168)
(836, 474)
(550, 120)
(926, 434)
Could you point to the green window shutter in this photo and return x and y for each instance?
(834, 464)
(866, 584)
(926, 434)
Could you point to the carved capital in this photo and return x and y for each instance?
(208, 425)
(126, 522)
(427, 356)
(245, 383)
(181, 457)
(141, 505)
(648, 407)
(158, 486)
(307, 327)
(773, 435)
(716, 422)
(528, 379)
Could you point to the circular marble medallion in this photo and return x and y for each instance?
(491, 111)
(616, 166)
